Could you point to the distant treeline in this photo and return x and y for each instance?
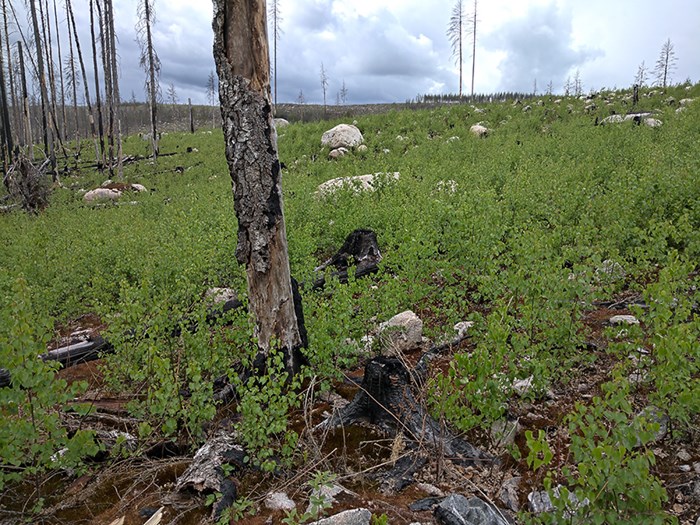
(480, 98)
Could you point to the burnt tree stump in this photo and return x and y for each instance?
(360, 249)
(386, 399)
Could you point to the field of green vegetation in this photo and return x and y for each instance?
(538, 233)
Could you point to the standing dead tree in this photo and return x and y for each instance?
(243, 64)
(5, 125)
(10, 74)
(150, 62)
(666, 64)
(276, 18)
(455, 32)
(47, 132)
(98, 99)
(473, 33)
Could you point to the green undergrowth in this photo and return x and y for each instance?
(513, 231)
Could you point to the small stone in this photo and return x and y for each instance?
(348, 517)
(683, 455)
(279, 501)
(337, 153)
(479, 130)
(458, 510)
(684, 468)
(509, 494)
(623, 319)
(522, 386)
(653, 415)
(503, 432)
(402, 332)
(431, 490)
(220, 295)
(608, 267)
(462, 327)
(696, 467)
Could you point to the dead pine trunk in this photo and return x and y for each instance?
(243, 64)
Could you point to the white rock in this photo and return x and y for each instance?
(463, 327)
(99, 194)
(686, 101)
(348, 517)
(623, 319)
(220, 295)
(447, 186)
(327, 493)
(522, 386)
(280, 123)
(138, 187)
(402, 332)
(503, 432)
(106, 183)
(342, 136)
(337, 153)
(612, 269)
(653, 122)
(479, 130)
(359, 183)
(362, 148)
(612, 119)
(279, 501)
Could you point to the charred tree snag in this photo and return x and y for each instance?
(360, 249)
(386, 399)
(243, 66)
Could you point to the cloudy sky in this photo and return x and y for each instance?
(392, 50)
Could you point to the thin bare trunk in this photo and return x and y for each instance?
(5, 124)
(474, 48)
(10, 75)
(60, 71)
(29, 139)
(107, 71)
(189, 104)
(86, 86)
(243, 63)
(116, 99)
(47, 133)
(98, 98)
(74, 79)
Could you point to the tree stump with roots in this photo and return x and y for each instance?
(386, 399)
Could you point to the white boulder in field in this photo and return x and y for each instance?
(342, 136)
(99, 194)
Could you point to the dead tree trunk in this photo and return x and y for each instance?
(98, 98)
(5, 124)
(47, 134)
(26, 115)
(151, 64)
(116, 97)
(64, 128)
(73, 83)
(242, 61)
(10, 74)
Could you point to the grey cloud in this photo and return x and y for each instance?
(538, 46)
(379, 59)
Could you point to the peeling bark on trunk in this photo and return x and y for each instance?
(242, 62)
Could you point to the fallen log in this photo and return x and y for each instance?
(206, 473)
(97, 347)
